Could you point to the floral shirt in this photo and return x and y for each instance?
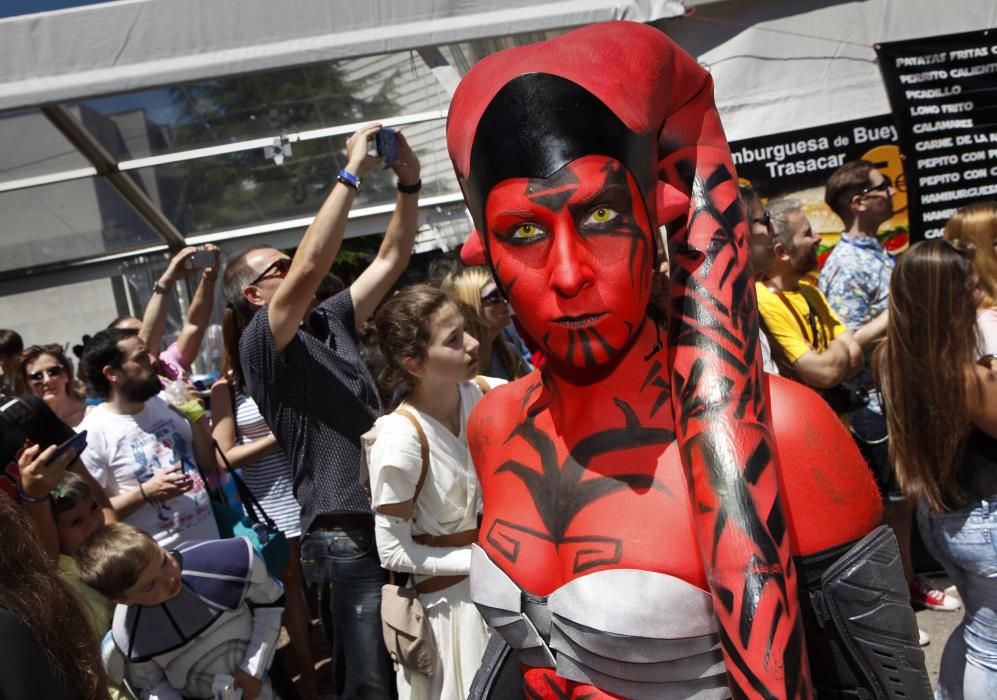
(856, 281)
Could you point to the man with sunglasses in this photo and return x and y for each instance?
(809, 340)
(303, 368)
(856, 281)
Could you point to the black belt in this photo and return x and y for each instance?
(342, 521)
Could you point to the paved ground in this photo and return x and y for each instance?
(939, 625)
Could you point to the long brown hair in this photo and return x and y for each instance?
(922, 365)
(233, 324)
(35, 594)
(403, 331)
(976, 225)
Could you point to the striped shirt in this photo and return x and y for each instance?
(270, 478)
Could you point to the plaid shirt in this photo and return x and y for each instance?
(856, 281)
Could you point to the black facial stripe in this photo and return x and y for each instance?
(588, 358)
(554, 200)
(606, 347)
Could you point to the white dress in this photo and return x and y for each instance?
(449, 503)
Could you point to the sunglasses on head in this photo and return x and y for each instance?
(884, 186)
(52, 372)
(493, 297)
(278, 267)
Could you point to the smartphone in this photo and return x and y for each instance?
(77, 442)
(199, 259)
(386, 141)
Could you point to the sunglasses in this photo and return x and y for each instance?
(493, 297)
(52, 372)
(765, 220)
(278, 267)
(884, 186)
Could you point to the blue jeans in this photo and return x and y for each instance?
(345, 564)
(965, 543)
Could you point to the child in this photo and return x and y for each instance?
(207, 608)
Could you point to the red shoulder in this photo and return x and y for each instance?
(829, 493)
(498, 413)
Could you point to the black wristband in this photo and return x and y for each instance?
(410, 189)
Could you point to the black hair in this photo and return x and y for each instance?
(103, 351)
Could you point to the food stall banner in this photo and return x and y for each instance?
(943, 94)
(797, 164)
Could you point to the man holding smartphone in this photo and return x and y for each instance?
(303, 368)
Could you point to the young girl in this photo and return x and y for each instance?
(943, 441)
(247, 442)
(421, 334)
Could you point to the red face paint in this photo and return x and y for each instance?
(573, 253)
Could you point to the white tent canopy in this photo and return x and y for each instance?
(137, 44)
(782, 66)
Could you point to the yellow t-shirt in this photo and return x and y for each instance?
(811, 306)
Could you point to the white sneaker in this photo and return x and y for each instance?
(923, 638)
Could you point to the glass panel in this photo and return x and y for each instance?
(247, 188)
(12, 8)
(66, 221)
(32, 146)
(224, 110)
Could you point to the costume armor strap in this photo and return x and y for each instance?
(639, 634)
(861, 618)
(215, 575)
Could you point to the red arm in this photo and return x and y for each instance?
(721, 413)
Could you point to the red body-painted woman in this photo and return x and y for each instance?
(639, 537)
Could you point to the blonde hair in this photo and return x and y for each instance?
(465, 287)
(111, 560)
(976, 225)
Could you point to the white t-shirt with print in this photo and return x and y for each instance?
(124, 450)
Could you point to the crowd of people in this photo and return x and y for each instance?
(348, 413)
(150, 451)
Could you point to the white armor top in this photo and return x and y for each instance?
(639, 634)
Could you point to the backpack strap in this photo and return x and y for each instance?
(482, 384)
(423, 444)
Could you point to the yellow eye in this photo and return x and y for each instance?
(527, 232)
(602, 215)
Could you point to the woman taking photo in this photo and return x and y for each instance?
(498, 355)
(943, 441)
(427, 531)
(247, 442)
(46, 371)
(976, 225)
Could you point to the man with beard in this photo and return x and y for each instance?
(811, 344)
(143, 453)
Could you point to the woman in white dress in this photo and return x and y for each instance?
(421, 334)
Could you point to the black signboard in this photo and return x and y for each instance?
(943, 92)
(798, 163)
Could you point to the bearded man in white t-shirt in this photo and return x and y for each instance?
(142, 452)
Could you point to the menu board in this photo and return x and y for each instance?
(943, 93)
